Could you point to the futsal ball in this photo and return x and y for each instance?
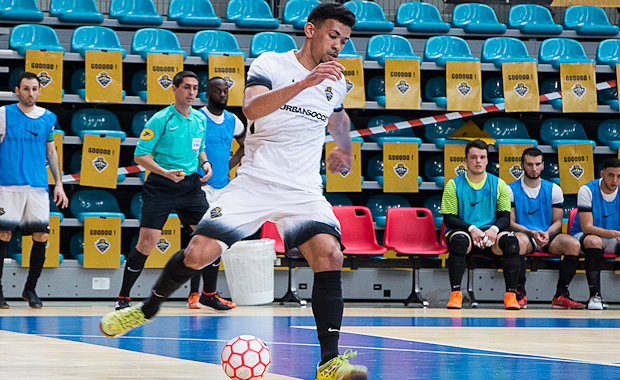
(245, 357)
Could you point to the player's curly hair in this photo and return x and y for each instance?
(334, 11)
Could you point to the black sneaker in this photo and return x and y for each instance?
(122, 302)
(32, 298)
(3, 304)
(212, 302)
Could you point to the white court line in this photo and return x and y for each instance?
(511, 356)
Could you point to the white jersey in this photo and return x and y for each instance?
(286, 146)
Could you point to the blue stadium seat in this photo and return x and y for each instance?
(20, 10)
(608, 53)
(440, 49)
(608, 133)
(337, 199)
(433, 170)
(533, 19)
(561, 130)
(498, 50)
(98, 203)
(135, 206)
(588, 20)
(193, 13)
(151, 40)
(552, 85)
(349, 51)
(34, 37)
(296, 12)
(508, 130)
(421, 17)
(493, 90)
(251, 14)
(78, 84)
(95, 38)
(433, 203)
(369, 16)
(13, 75)
(609, 96)
(203, 78)
(84, 11)
(138, 84)
(375, 89)
(384, 120)
(271, 41)
(561, 50)
(551, 171)
(437, 133)
(218, 42)
(135, 12)
(380, 203)
(389, 46)
(96, 121)
(493, 165)
(75, 166)
(435, 90)
(374, 168)
(76, 248)
(476, 18)
(139, 120)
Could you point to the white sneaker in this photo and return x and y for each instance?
(595, 303)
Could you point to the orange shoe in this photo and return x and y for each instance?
(510, 301)
(456, 300)
(226, 302)
(192, 301)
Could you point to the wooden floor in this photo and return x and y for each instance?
(62, 340)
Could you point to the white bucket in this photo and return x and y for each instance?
(249, 271)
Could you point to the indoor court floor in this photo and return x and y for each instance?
(62, 341)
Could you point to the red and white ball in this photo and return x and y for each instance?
(245, 357)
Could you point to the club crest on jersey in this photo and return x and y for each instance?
(402, 86)
(164, 81)
(100, 164)
(162, 245)
(44, 78)
(401, 169)
(578, 89)
(104, 79)
(216, 212)
(521, 89)
(464, 88)
(229, 81)
(102, 245)
(460, 169)
(516, 171)
(328, 93)
(576, 171)
(2, 212)
(350, 85)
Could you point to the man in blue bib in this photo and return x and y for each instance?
(222, 127)
(597, 225)
(536, 218)
(476, 210)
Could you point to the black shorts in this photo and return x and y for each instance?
(161, 196)
(544, 249)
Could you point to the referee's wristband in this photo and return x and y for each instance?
(494, 227)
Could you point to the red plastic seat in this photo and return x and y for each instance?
(410, 231)
(270, 231)
(358, 231)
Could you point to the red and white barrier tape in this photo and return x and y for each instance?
(455, 115)
(72, 178)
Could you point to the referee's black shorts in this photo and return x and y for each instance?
(161, 196)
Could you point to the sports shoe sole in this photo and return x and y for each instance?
(4, 306)
(205, 307)
(356, 376)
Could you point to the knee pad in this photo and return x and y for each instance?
(509, 244)
(458, 244)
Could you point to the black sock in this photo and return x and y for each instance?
(175, 274)
(194, 283)
(209, 277)
(456, 267)
(133, 268)
(594, 263)
(327, 306)
(4, 248)
(37, 259)
(568, 267)
(522, 272)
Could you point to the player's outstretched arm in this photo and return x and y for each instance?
(341, 157)
(60, 198)
(259, 100)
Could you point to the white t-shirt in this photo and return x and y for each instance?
(219, 119)
(286, 146)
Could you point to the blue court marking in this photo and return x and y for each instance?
(295, 351)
